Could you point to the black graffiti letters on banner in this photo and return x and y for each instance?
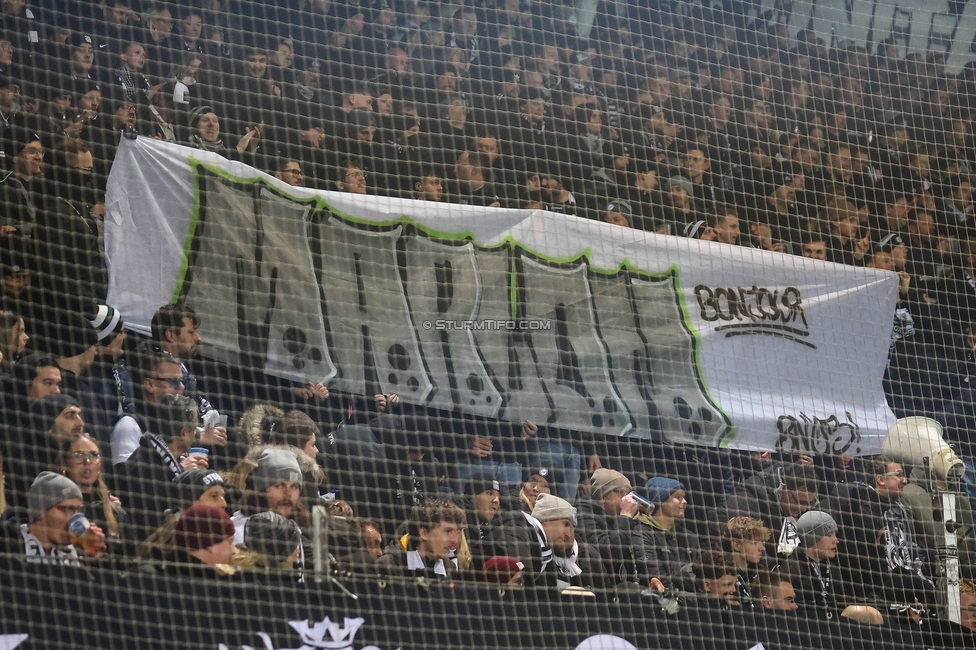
(829, 436)
(755, 311)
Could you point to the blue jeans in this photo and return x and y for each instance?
(565, 459)
(507, 474)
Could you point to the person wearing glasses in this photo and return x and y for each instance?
(777, 496)
(156, 374)
(45, 539)
(881, 543)
(290, 171)
(145, 481)
(81, 461)
(773, 590)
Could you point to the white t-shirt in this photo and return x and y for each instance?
(125, 439)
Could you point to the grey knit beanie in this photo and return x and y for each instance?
(48, 490)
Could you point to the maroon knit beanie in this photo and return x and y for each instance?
(201, 527)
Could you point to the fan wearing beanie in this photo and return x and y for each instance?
(51, 501)
(535, 481)
(203, 540)
(578, 564)
(480, 501)
(606, 520)
(271, 542)
(32, 449)
(275, 485)
(665, 550)
(813, 570)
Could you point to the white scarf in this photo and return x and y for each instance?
(567, 567)
(37, 554)
(416, 563)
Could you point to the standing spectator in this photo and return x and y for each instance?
(127, 82)
(878, 541)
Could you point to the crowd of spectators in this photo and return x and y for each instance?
(669, 118)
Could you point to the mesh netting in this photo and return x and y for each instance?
(487, 324)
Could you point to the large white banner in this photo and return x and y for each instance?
(516, 314)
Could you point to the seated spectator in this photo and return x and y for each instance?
(428, 186)
(15, 278)
(817, 580)
(665, 551)
(351, 177)
(724, 223)
(145, 480)
(777, 496)
(715, 576)
(270, 542)
(269, 481)
(429, 547)
(618, 213)
(199, 487)
(606, 520)
(373, 538)
(480, 501)
(813, 246)
(127, 82)
(13, 340)
(81, 461)
(203, 544)
(24, 161)
(204, 127)
(52, 500)
(774, 591)
(503, 570)
(33, 446)
(848, 243)
(967, 605)
(746, 538)
(470, 187)
(176, 330)
(70, 339)
(577, 563)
